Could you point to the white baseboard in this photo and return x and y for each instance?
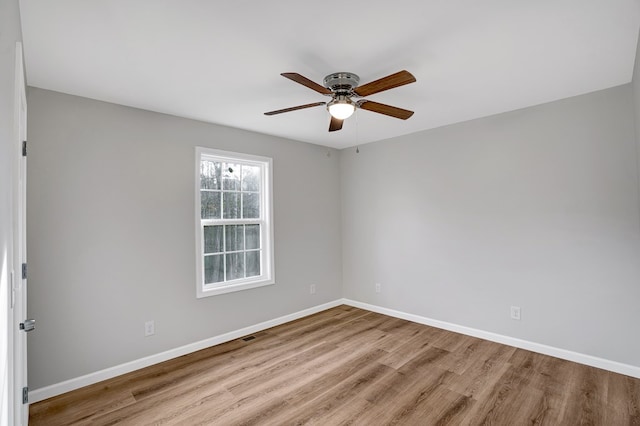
(108, 373)
(605, 364)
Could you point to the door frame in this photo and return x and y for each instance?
(18, 302)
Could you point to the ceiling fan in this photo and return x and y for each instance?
(342, 87)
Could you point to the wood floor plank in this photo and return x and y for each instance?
(401, 398)
(623, 400)
(335, 398)
(265, 407)
(403, 353)
(348, 366)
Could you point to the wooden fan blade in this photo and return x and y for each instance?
(336, 124)
(385, 83)
(306, 82)
(389, 110)
(295, 108)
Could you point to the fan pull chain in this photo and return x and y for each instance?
(357, 134)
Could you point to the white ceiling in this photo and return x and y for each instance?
(219, 61)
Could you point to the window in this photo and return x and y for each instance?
(234, 233)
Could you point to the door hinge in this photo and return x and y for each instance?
(24, 271)
(24, 148)
(25, 395)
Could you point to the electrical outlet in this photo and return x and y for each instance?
(515, 313)
(149, 328)
(312, 289)
(378, 287)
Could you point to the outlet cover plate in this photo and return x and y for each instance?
(149, 328)
(515, 313)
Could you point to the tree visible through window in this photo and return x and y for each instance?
(234, 221)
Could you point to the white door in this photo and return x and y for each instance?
(19, 295)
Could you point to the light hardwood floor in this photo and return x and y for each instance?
(350, 366)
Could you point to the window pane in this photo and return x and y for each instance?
(213, 239)
(235, 266)
(252, 237)
(210, 204)
(250, 205)
(213, 269)
(234, 238)
(253, 263)
(250, 178)
(231, 176)
(210, 174)
(231, 205)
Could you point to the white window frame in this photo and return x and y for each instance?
(267, 276)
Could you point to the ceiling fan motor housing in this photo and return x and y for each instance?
(341, 82)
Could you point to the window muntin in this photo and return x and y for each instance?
(234, 241)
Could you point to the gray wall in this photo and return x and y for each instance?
(10, 33)
(111, 234)
(536, 208)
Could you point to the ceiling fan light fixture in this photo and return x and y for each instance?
(341, 107)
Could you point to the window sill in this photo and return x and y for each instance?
(230, 288)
